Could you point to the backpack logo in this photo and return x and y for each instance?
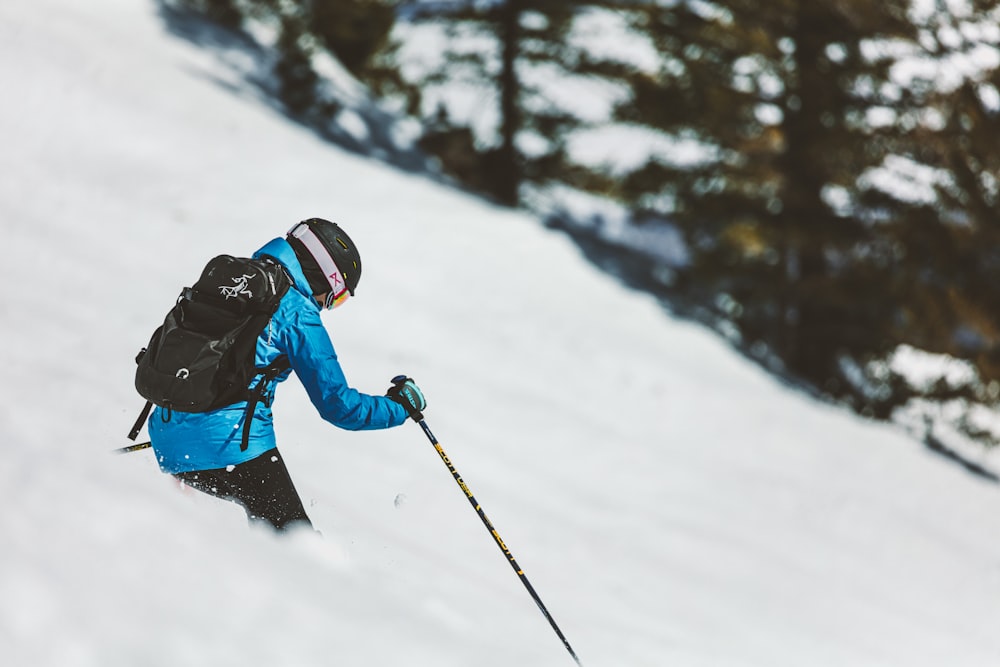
(240, 288)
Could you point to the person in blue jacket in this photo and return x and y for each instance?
(203, 450)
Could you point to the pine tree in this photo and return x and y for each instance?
(791, 218)
(947, 242)
(354, 31)
(780, 92)
(515, 41)
(296, 78)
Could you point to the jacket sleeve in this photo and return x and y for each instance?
(314, 361)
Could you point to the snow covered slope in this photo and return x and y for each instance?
(671, 504)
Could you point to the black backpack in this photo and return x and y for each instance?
(202, 357)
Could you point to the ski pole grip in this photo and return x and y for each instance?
(406, 398)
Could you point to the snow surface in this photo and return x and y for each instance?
(672, 504)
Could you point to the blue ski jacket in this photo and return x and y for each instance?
(185, 442)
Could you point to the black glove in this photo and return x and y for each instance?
(406, 392)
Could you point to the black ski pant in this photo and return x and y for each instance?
(261, 486)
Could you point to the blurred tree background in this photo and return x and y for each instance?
(831, 166)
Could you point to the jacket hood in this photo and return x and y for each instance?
(281, 251)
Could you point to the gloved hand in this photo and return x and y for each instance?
(406, 392)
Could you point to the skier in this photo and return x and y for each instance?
(203, 450)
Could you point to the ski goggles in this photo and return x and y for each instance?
(338, 292)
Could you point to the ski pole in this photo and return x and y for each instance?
(132, 448)
(497, 538)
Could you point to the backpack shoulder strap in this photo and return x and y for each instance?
(143, 414)
(256, 395)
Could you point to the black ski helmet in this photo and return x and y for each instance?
(337, 244)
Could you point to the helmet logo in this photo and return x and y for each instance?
(337, 281)
(240, 288)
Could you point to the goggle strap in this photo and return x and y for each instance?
(326, 264)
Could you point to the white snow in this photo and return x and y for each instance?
(921, 369)
(671, 504)
(622, 148)
(906, 179)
